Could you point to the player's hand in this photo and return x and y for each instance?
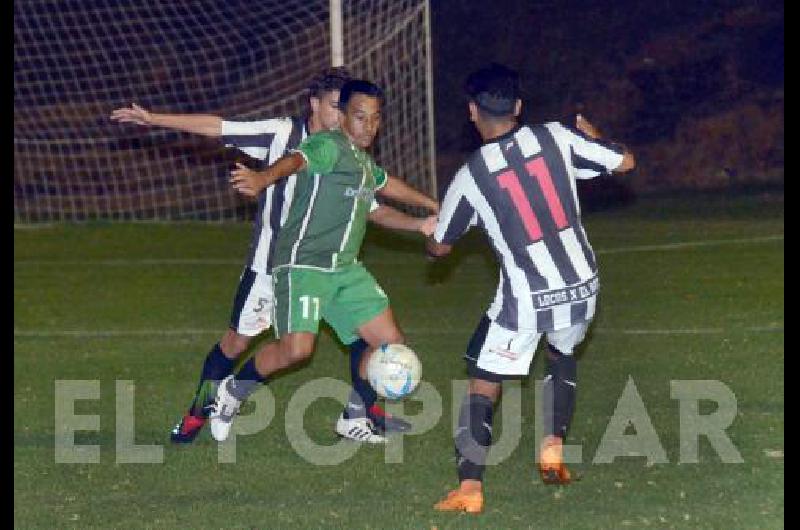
(428, 225)
(583, 125)
(246, 181)
(132, 114)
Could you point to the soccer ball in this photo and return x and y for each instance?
(394, 371)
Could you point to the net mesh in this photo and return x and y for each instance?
(75, 61)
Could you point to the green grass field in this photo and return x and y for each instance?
(691, 290)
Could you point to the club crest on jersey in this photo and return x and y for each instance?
(365, 194)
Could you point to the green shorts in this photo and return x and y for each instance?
(346, 298)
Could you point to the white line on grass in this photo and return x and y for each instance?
(133, 262)
(212, 262)
(33, 226)
(88, 333)
(99, 333)
(692, 244)
(690, 331)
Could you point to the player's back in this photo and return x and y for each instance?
(520, 188)
(526, 182)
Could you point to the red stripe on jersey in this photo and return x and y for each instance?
(509, 181)
(538, 168)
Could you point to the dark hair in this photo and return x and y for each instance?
(494, 88)
(328, 80)
(358, 86)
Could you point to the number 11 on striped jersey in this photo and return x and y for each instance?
(509, 181)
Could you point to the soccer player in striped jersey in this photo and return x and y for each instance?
(519, 188)
(267, 140)
(317, 274)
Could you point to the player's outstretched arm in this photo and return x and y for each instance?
(249, 182)
(399, 191)
(389, 217)
(205, 124)
(587, 128)
(628, 161)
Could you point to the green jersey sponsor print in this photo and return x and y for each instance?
(328, 216)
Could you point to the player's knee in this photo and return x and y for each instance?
(299, 350)
(298, 355)
(396, 337)
(485, 388)
(233, 344)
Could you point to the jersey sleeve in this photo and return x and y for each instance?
(589, 156)
(456, 215)
(255, 138)
(321, 153)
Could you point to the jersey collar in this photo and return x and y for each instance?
(509, 134)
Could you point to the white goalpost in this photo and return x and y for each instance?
(74, 62)
(337, 35)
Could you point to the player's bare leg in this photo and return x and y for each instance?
(380, 330)
(472, 439)
(291, 349)
(234, 344)
(273, 357)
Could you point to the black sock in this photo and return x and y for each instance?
(558, 400)
(473, 436)
(361, 386)
(246, 381)
(215, 368)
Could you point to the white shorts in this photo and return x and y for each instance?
(500, 351)
(253, 304)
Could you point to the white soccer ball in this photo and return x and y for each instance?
(394, 371)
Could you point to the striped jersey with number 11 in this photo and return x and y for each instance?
(520, 189)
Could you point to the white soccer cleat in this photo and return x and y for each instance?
(222, 411)
(358, 429)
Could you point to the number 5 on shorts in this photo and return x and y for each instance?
(306, 301)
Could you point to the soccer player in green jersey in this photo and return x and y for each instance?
(316, 271)
(267, 140)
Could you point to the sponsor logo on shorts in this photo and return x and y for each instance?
(508, 354)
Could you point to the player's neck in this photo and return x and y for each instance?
(490, 129)
(314, 124)
(351, 139)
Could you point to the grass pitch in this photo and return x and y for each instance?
(692, 289)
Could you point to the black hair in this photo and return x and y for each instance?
(328, 80)
(358, 86)
(494, 88)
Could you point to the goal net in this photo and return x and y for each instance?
(76, 61)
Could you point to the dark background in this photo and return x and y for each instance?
(694, 88)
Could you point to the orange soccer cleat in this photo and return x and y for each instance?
(461, 501)
(551, 462)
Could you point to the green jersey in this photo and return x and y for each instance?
(327, 220)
